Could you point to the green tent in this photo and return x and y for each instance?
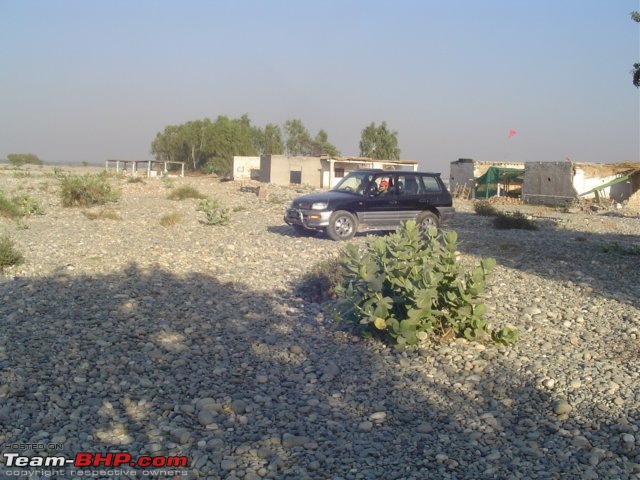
(498, 179)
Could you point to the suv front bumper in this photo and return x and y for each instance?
(313, 219)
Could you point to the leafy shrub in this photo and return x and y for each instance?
(321, 282)
(517, 220)
(9, 256)
(170, 219)
(86, 190)
(184, 192)
(215, 214)
(485, 208)
(135, 180)
(19, 206)
(405, 287)
(28, 205)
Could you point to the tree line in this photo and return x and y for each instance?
(210, 145)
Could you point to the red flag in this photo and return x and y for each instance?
(511, 133)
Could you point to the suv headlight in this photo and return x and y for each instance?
(319, 205)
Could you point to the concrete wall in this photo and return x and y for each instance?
(548, 183)
(461, 173)
(277, 169)
(314, 171)
(245, 168)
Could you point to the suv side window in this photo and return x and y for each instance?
(430, 183)
(409, 185)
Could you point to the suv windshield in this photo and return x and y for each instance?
(354, 182)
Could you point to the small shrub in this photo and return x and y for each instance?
(508, 246)
(184, 192)
(239, 208)
(19, 174)
(214, 213)
(8, 208)
(168, 182)
(170, 219)
(28, 205)
(9, 256)
(517, 220)
(102, 214)
(135, 180)
(485, 208)
(321, 282)
(276, 200)
(86, 190)
(616, 249)
(404, 287)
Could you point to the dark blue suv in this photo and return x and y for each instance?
(373, 200)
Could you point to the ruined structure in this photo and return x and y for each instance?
(558, 183)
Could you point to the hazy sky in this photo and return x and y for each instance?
(92, 80)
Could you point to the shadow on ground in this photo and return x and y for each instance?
(606, 263)
(118, 362)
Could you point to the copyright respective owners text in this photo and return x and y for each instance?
(56, 460)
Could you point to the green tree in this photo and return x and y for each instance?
(272, 140)
(197, 137)
(635, 16)
(18, 159)
(298, 139)
(169, 145)
(320, 145)
(379, 142)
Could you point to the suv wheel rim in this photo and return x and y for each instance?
(425, 224)
(343, 226)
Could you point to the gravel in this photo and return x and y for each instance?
(124, 335)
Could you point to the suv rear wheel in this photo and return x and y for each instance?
(342, 226)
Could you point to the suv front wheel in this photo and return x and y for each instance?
(342, 226)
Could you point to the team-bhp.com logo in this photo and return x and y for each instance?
(102, 460)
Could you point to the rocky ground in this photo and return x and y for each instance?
(126, 335)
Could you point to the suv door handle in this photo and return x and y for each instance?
(393, 202)
(423, 200)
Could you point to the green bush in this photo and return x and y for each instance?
(517, 220)
(9, 256)
(8, 208)
(86, 190)
(28, 205)
(485, 208)
(214, 213)
(19, 206)
(405, 287)
(184, 192)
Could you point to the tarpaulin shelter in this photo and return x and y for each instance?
(497, 181)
